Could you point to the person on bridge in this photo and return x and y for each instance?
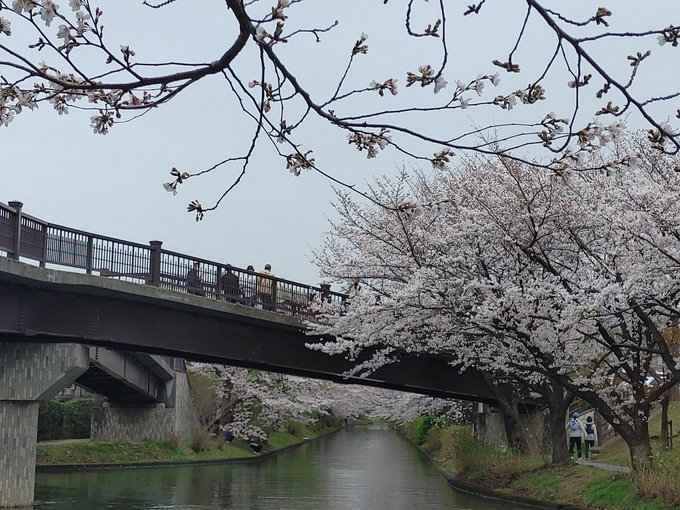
(266, 287)
(249, 287)
(230, 286)
(575, 431)
(193, 280)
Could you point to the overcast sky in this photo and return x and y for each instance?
(112, 184)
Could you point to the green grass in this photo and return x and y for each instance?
(511, 473)
(280, 439)
(616, 451)
(123, 452)
(455, 448)
(618, 493)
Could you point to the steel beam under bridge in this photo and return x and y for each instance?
(44, 305)
(129, 378)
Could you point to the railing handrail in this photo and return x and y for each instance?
(70, 240)
(92, 234)
(254, 272)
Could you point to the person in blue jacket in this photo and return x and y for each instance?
(575, 431)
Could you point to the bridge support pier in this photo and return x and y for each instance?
(488, 425)
(29, 373)
(112, 422)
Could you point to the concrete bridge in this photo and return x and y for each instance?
(53, 324)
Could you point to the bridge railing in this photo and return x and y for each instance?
(22, 235)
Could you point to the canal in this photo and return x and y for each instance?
(360, 469)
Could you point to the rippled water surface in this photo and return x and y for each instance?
(358, 469)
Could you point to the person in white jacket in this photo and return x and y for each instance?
(590, 436)
(576, 432)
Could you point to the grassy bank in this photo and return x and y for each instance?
(169, 451)
(512, 474)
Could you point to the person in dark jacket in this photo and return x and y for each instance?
(193, 281)
(230, 286)
(249, 287)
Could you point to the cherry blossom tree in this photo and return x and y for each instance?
(413, 298)
(593, 66)
(566, 284)
(250, 403)
(355, 401)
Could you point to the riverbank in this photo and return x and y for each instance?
(476, 468)
(88, 455)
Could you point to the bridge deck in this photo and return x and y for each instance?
(45, 305)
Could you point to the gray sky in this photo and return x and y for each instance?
(112, 184)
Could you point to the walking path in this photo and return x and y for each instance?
(606, 467)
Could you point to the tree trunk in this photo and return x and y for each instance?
(640, 447)
(508, 402)
(515, 432)
(665, 403)
(558, 432)
(559, 400)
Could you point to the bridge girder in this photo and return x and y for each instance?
(43, 305)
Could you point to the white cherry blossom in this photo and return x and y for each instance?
(439, 84)
(5, 26)
(48, 11)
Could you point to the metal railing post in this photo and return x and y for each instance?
(273, 287)
(89, 262)
(155, 263)
(218, 282)
(43, 261)
(325, 292)
(17, 230)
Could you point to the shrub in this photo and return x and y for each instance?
(77, 416)
(295, 428)
(433, 442)
(660, 482)
(199, 440)
(479, 461)
(220, 441)
(421, 428)
(173, 441)
(65, 420)
(330, 421)
(50, 420)
(204, 398)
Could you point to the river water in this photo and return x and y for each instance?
(358, 469)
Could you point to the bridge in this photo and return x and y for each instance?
(140, 298)
(143, 299)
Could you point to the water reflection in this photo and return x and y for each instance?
(361, 469)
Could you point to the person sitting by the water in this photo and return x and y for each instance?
(255, 444)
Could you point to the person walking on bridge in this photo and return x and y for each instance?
(249, 287)
(266, 287)
(576, 431)
(230, 286)
(193, 280)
